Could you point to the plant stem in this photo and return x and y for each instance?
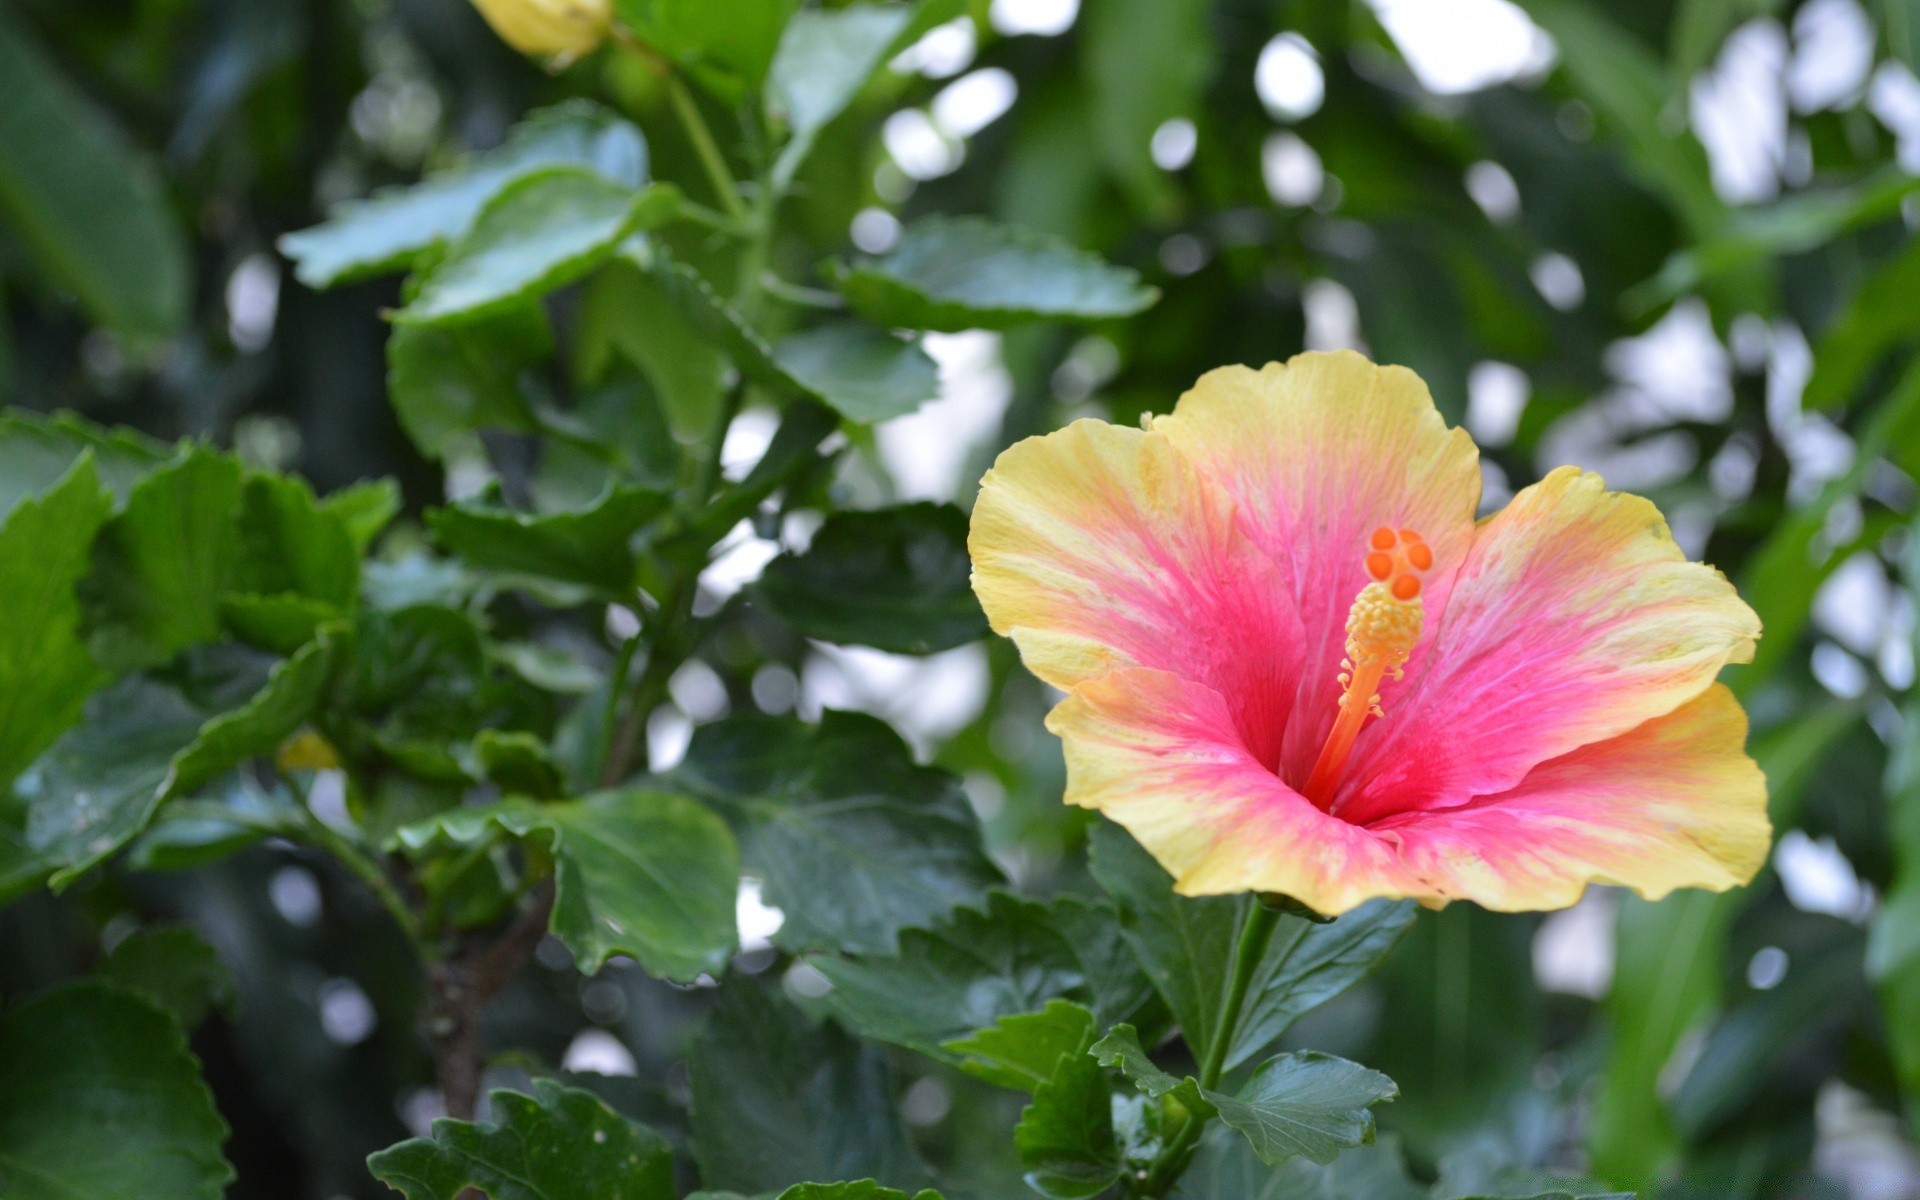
(1255, 931)
(708, 151)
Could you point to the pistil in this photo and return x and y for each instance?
(1383, 627)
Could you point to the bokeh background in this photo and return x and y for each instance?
(1669, 240)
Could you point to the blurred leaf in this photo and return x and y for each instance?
(824, 58)
(1144, 62)
(1876, 321)
(591, 547)
(291, 543)
(95, 213)
(365, 509)
(385, 233)
(1900, 26)
(558, 1144)
(854, 841)
(777, 1101)
(447, 381)
(89, 1060)
(518, 763)
(174, 967)
(896, 579)
(1228, 1169)
(37, 452)
(543, 230)
(626, 310)
(728, 48)
(866, 374)
(955, 273)
(46, 672)
(161, 566)
(1020, 1052)
(643, 873)
(1893, 945)
(256, 729)
(1700, 26)
(969, 974)
(1065, 1136)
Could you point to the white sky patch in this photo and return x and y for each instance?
(757, 920)
(1333, 317)
(1738, 109)
(1046, 18)
(743, 554)
(1819, 879)
(597, 1052)
(1497, 395)
(1288, 78)
(747, 441)
(1894, 98)
(928, 699)
(1832, 55)
(1493, 189)
(1459, 46)
(942, 51)
(1173, 144)
(974, 101)
(928, 452)
(1291, 170)
(1573, 949)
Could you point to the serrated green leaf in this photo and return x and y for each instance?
(385, 233)
(365, 508)
(591, 547)
(46, 672)
(951, 980)
(37, 452)
(162, 565)
(94, 211)
(559, 1143)
(853, 840)
(1020, 1052)
(1305, 1103)
(1121, 1048)
(865, 374)
(1308, 963)
(89, 1059)
(956, 273)
(727, 48)
(454, 380)
(1065, 1136)
(897, 579)
(649, 874)
(175, 968)
(545, 229)
(778, 1101)
(291, 544)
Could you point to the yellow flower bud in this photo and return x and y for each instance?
(562, 28)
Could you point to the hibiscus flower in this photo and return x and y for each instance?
(1294, 663)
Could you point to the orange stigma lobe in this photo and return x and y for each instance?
(1383, 627)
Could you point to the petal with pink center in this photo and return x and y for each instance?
(1100, 547)
(1674, 803)
(1575, 618)
(1318, 452)
(1158, 754)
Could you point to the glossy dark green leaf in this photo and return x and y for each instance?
(46, 672)
(951, 980)
(1308, 963)
(643, 873)
(778, 1101)
(559, 1143)
(161, 566)
(866, 374)
(93, 210)
(543, 230)
(1020, 1052)
(88, 1060)
(446, 382)
(591, 548)
(896, 578)
(629, 313)
(1065, 1136)
(1228, 1169)
(1121, 1049)
(954, 273)
(386, 232)
(1307, 1104)
(175, 968)
(824, 58)
(727, 48)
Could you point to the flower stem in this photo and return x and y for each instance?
(707, 149)
(1255, 931)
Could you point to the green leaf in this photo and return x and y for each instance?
(854, 841)
(366, 509)
(1020, 1052)
(1893, 942)
(450, 381)
(543, 230)
(1227, 1169)
(1144, 62)
(99, 1098)
(865, 374)
(1065, 1136)
(94, 212)
(560, 1143)
(46, 672)
(37, 452)
(947, 982)
(293, 691)
(174, 967)
(825, 57)
(896, 578)
(1305, 1103)
(1121, 1048)
(518, 764)
(648, 874)
(628, 312)
(1308, 963)
(386, 233)
(1876, 321)
(955, 273)
(777, 1101)
(591, 547)
(728, 48)
(292, 544)
(161, 566)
